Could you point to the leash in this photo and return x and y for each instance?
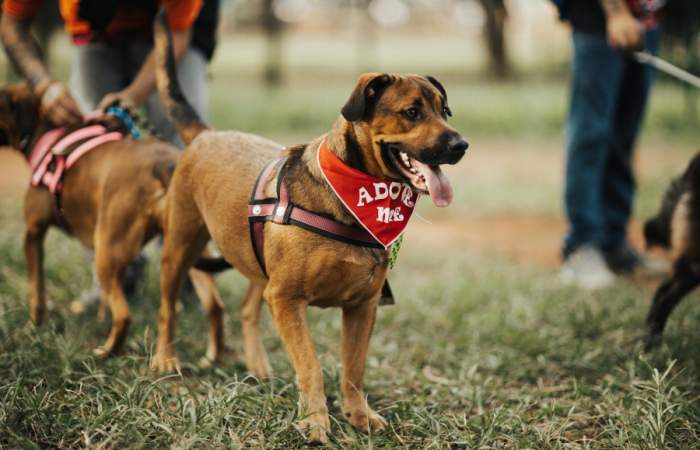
(133, 121)
(644, 57)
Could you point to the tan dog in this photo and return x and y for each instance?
(113, 202)
(386, 117)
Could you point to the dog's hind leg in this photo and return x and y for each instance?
(182, 245)
(37, 223)
(208, 294)
(109, 274)
(255, 355)
(358, 323)
(667, 296)
(289, 315)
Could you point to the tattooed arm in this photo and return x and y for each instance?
(624, 31)
(23, 50)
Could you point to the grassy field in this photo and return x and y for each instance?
(480, 351)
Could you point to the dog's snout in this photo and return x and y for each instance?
(456, 148)
(457, 145)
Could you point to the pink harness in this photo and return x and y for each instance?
(51, 157)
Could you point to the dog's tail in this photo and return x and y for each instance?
(212, 265)
(187, 122)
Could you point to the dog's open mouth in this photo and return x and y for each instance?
(424, 178)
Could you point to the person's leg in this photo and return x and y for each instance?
(596, 71)
(97, 69)
(619, 183)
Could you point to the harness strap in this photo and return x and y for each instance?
(259, 209)
(282, 212)
(77, 136)
(91, 144)
(43, 145)
(49, 162)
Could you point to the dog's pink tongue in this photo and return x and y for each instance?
(439, 186)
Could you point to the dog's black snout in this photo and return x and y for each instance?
(458, 145)
(456, 148)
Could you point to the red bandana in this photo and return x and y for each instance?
(381, 206)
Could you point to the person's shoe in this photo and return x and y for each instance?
(89, 300)
(586, 268)
(625, 260)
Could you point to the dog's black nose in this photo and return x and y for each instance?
(457, 145)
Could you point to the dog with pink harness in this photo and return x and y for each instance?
(106, 188)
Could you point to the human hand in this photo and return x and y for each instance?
(58, 105)
(123, 98)
(624, 31)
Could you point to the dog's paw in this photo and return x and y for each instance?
(315, 428)
(101, 352)
(365, 419)
(259, 367)
(165, 363)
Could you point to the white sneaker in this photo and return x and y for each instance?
(586, 268)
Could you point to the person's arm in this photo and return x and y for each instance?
(23, 50)
(145, 82)
(624, 31)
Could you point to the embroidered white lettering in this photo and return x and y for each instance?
(364, 197)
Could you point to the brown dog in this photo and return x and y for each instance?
(386, 117)
(113, 201)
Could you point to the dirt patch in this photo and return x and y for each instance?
(525, 239)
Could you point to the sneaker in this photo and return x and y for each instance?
(586, 268)
(89, 300)
(623, 259)
(626, 261)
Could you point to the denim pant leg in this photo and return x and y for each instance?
(619, 182)
(97, 69)
(596, 73)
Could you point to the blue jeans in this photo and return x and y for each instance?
(609, 93)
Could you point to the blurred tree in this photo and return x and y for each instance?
(681, 31)
(272, 26)
(494, 34)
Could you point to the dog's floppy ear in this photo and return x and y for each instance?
(442, 90)
(367, 90)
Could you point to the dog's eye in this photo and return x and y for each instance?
(411, 113)
(447, 111)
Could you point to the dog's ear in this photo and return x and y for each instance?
(442, 90)
(368, 89)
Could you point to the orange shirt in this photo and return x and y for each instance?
(127, 19)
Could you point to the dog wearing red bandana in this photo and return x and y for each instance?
(309, 225)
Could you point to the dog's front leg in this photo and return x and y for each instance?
(289, 316)
(34, 255)
(667, 296)
(358, 323)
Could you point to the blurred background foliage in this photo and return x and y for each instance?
(285, 66)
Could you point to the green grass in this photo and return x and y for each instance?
(478, 353)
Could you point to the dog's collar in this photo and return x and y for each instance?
(382, 207)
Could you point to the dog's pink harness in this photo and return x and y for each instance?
(282, 211)
(51, 157)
